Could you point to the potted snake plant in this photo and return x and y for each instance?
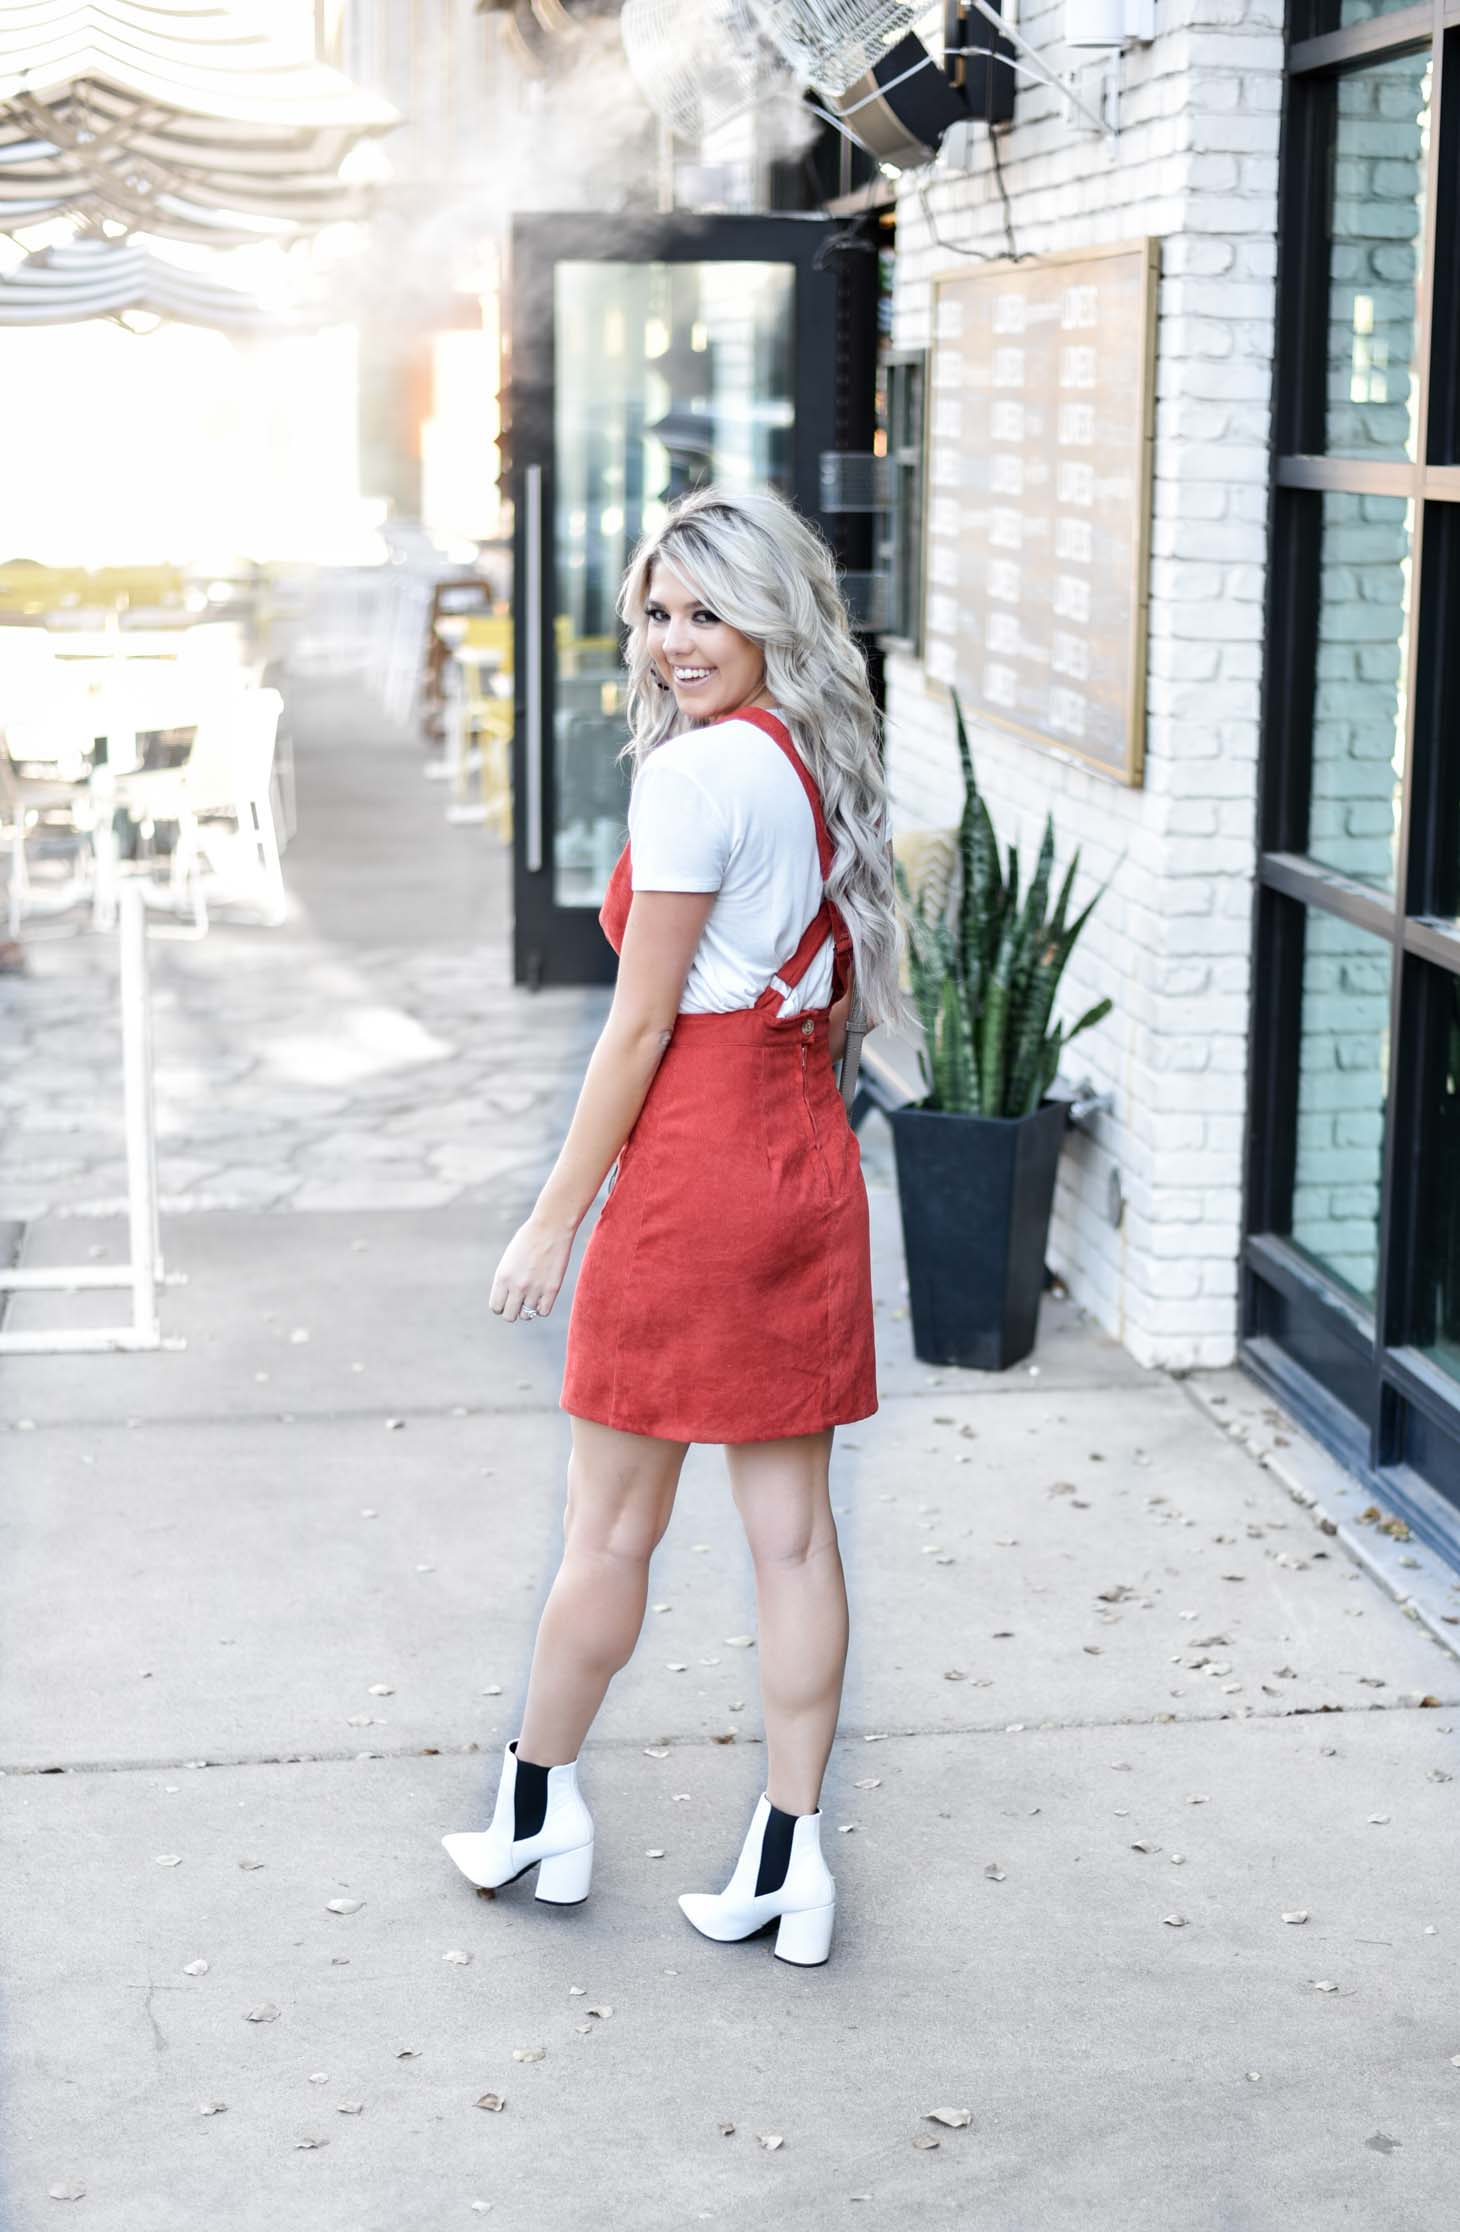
(977, 1157)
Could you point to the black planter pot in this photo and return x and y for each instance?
(976, 1195)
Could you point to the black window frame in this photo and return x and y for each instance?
(1360, 1380)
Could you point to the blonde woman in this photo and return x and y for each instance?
(725, 1294)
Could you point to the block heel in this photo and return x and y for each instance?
(563, 1879)
(804, 1938)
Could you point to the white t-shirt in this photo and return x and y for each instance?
(722, 809)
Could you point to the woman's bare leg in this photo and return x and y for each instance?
(621, 1490)
(782, 1493)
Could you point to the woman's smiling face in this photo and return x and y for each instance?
(711, 667)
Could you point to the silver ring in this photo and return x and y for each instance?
(527, 1313)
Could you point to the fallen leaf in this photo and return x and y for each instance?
(726, 2129)
(318, 2077)
(994, 1872)
(1381, 2141)
(529, 2053)
(349, 2107)
(956, 2118)
(677, 1666)
(250, 1867)
(741, 1642)
(72, 2190)
(1174, 1921)
(343, 1906)
(457, 1959)
(212, 2107)
(310, 2144)
(925, 2140)
(605, 2012)
(1299, 1914)
(1325, 1987)
(169, 1859)
(869, 1782)
(654, 1852)
(656, 1751)
(381, 1689)
(1379, 1818)
(1139, 1845)
(196, 1968)
(495, 2101)
(770, 2140)
(409, 2053)
(395, 1425)
(265, 2012)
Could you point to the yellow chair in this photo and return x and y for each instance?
(484, 713)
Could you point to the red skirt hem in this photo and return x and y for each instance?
(703, 1436)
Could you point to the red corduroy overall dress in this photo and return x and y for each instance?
(725, 1294)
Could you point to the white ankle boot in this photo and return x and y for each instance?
(803, 1901)
(561, 1850)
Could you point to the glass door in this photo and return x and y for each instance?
(648, 356)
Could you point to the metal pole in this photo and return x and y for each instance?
(142, 1219)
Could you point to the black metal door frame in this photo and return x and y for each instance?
(1360, 1380)
(834, 354)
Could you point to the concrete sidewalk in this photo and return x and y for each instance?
(1118, 1702)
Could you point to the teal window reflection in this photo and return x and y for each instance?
(1360, 695)
(1343, 1067)
(1376, 241)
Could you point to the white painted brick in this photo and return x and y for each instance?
(1195, 165)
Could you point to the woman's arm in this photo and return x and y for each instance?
(660, 937)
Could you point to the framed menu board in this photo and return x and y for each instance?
(1041, 383)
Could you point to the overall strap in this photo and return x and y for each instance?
(777, 731)
(827, 920)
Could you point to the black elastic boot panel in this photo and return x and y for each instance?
(775, 1851)
(529, 1797)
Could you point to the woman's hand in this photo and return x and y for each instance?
(533, 1267)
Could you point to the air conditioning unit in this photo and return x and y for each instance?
(1109, 23)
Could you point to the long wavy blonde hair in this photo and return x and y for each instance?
(763, 568)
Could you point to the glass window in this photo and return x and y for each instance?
(668, 375)
(1359, 699)
(1343, 1066)
(1376, 235)
(1336, 15)
(1439, 1221)
(899, 539)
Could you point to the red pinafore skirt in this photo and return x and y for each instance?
(725, 1294)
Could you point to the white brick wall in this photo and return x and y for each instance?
(1196, 164)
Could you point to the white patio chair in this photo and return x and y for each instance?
(227, 784)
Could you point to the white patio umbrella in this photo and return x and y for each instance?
(96, 278)
(195, 121)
